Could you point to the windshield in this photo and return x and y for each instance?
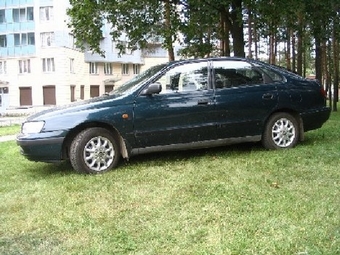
(127, 86)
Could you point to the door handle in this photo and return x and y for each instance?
(267, 96)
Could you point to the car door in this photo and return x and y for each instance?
(181, 113)
(244, 97)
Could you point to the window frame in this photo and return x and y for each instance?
(46, 13)
(47, 39)
(2, 16)
(24, 66)
(3, 67)
(136, 69)
(72, 65)
(4, 40)
(125, 69)
(108, 68)
(93, 68)
(48, 65)
(23, 14)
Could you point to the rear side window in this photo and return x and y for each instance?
(229, 74)
(273, 75)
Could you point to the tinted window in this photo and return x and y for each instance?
(228, 74)
(272, 74)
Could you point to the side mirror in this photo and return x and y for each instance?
(153, 88)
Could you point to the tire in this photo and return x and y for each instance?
(94, 151)
(281, 131)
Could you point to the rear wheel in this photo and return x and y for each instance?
(94, 151)
(281, 131)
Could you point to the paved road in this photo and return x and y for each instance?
(6, 138)
(8, 121)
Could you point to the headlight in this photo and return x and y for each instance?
(32, 127)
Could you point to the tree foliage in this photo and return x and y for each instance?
(302, 35)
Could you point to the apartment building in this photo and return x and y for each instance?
(40, 64)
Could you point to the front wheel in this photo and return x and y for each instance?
(281, 131)
(93, 151)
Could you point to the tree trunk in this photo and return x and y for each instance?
(293, 53)
(255, 40)
(225, 31)
(336, 60)
(300, 49)
(318, 58)
(250, 34)
(288, 51)
(168, 39)
(237, 28)
(272, 55)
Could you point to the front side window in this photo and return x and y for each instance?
(187, 77)
(48, 65)
(24, 66)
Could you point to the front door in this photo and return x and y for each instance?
(181, 113)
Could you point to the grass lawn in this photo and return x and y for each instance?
(9, 130)
(233, 200)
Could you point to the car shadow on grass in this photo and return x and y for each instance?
(185, 155)
(44, 170)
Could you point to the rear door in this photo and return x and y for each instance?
(244, 97)
(181, 113)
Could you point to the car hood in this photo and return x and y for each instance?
(81, 106)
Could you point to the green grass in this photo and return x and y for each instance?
(233, 200)
(9, 130)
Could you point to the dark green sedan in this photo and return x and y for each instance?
(178, 106)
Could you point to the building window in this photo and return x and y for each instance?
(93, 68)
(24, 66)
(136, 69)
(46, 13)
(125, 69)
(24, 39)
(23, 14)
(72, 91)
(3, 41)
(2, 16)
(72, 65)
(48, 65)
(107, 68)
(47, 39)
(3, 67)
(82, 91)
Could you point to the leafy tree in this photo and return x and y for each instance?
(308, 29)
(142, 22)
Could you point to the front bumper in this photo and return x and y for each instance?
(41, 147)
